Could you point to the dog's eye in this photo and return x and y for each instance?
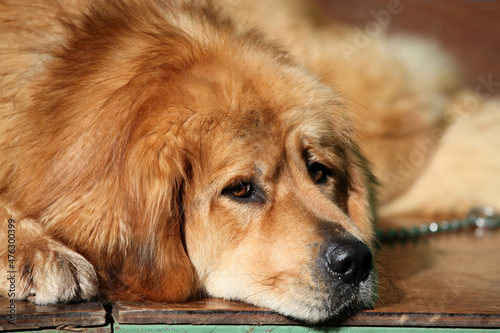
(241, 190)
(319, 173)
(244, 191)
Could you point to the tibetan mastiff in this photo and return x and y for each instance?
(166, 150)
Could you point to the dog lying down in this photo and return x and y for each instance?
(166, 150)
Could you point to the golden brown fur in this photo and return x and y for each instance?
(127, 126)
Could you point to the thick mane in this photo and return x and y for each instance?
(91, 117)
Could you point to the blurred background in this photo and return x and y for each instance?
(468, 29)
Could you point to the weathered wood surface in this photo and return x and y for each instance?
(209, 311)
(26, 315)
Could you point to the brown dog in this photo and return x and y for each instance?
(158, 150)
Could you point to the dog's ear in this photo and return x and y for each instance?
(361, 197)
(155, 170)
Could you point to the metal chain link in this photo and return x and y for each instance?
(479, 217)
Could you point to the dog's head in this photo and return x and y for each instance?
(215, 164)
(277, 209)
(274, 197)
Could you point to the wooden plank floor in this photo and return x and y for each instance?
(447, 280)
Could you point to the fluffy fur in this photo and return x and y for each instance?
(158, 150)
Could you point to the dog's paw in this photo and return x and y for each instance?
(58, 274)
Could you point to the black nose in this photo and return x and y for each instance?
(350, 261)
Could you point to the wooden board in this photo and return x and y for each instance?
(448, 280)
(26, 315)
(209, 311)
